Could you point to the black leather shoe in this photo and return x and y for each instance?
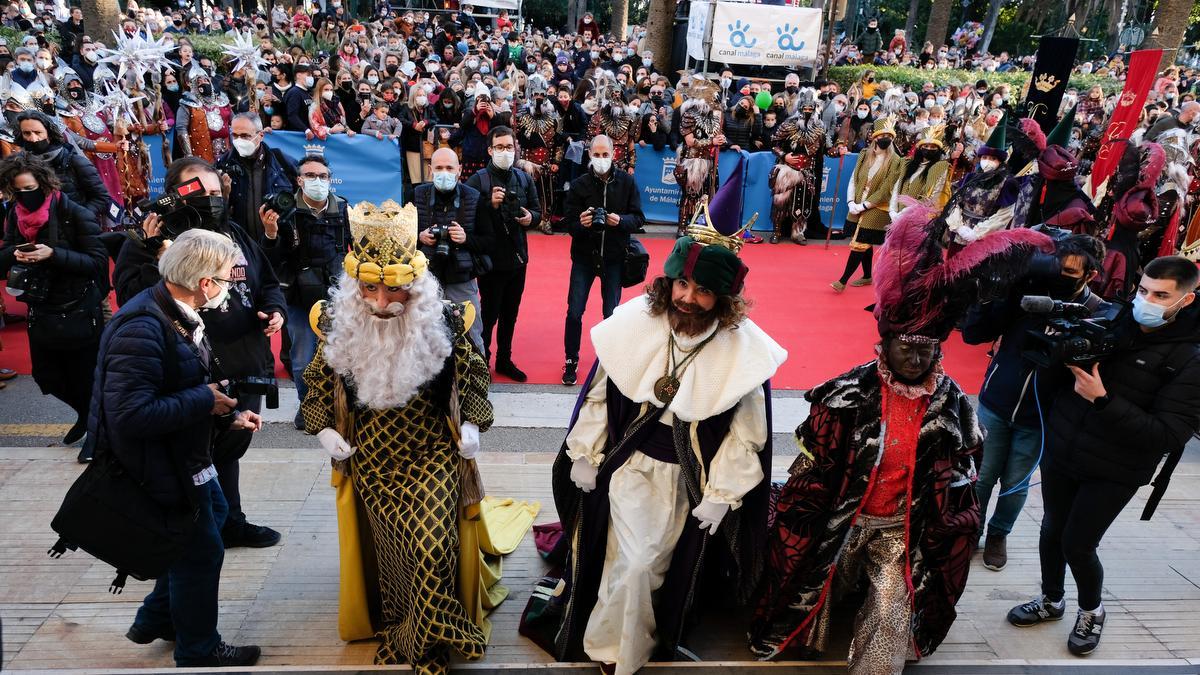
(226, 655)
(250, 536)
(511, 371)
(144, 636)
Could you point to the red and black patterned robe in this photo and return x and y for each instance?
(821, 501)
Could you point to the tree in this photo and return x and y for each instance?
(989, 26)
(660, 29)
(910, 25)
(1170, 23)
(939, 22)
(620, 18)
(101, 17)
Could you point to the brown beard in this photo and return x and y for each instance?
(689, 325)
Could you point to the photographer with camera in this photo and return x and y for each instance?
(239, 328)
(255, 172)
(155, 411)
(603, 207)
(306, 253)
(54, 262)
(1008, 408)
(451, 238)
(508, 205)
(1106, 433)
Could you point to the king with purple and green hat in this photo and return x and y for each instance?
(662, 483)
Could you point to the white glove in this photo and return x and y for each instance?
(583, 474)
(334, 444)
(468, 442)
(710, 514)
(856, 208)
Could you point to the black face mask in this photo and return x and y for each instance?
(656, 100)
(206, 90)
(883, 143)
(392, 69)
(11, 117)
(37, 147)
(48, 108)
(210, 209)
(792, 89)
(930, 154)
(1062, 287)
(31, 199)
(76, 93)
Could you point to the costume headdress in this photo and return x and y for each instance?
(883, 126)
(384, 247)
(1061, 133)
(933, 135)
(919, 295)
(243, 52)
(709, 251)
(997, 144)
(1137, 207)
(195, 72)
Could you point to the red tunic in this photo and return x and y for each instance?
(901, 428)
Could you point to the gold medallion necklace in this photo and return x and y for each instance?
(667, 386)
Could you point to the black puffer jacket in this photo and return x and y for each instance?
(435, 209)
(1153, 385)
(618, 194)
(153, 387)
(80, 180)
(79, 258)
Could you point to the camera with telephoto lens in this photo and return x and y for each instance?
(1071, 333)
(282, 203)
(267, 387)
(441, 238)
(28, 283)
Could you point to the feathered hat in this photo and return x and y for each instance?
(932, 136)
(919, 295)
(384, 244)
(1137, 208)
(709, 251)
(1033, 131)
(883, 126)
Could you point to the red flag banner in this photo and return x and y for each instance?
(1143, 68)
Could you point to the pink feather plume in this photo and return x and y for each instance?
(1033, 130)
(901, 251)
(1154, 158)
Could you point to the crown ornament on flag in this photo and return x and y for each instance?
(1046, 82)
(384, 247)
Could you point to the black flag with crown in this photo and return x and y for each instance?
(1055, 56)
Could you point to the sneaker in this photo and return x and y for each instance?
(1036, 611)
(249, 536)
(76, 432)
(511, 371)
(569, 375)
(298, 422)
(838, 286)
(995, 552)
(226, 655)
(865, 281)
(1085, 637)
(144, 636)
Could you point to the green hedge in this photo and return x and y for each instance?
(915, 77)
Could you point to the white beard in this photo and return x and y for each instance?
(387, 359)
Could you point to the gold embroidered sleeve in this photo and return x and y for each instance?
(317, 406)
(473, 378)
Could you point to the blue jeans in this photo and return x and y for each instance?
(186, 597)
(1010, 452)
(304, 345)
(582, 276)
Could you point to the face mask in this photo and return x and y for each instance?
(433, 67)
(218, 299)
(883, 143)
(862, 114)
(206, 90)
(601, 165)
(647, 61)
(316, 189)
(941, 100)
(594, 55)
(422, 101)
(37, 147)
(587, 20)
(1149, 314)
(444, 181)
(986, 165)
(503, 159)
(31, 199)
(928, 103)
(268, 109)
(485, 69)
(372, 80)
(725, 82)
(25, 66)
(210, 209)
(76, 93)
(44, 64)
(392, 69)
(327, 95)
(838, 107)
(309, 81)
(244, 147)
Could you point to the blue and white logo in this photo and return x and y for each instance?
(787, 38)
(737, 35)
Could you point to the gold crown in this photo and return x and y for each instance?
(885, 126)
(710, 236)
(932, 135)
(384, 247)
(1045, 82)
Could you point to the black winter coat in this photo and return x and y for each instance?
(1153, 385)
(618, 195)
(509, 249)
(79, 258)
(457, 268)
(80, 180)
(153, 386)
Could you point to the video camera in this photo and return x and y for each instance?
(173, 209)
(1072, 333)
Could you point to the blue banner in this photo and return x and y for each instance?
(758, 191)
(655, 177)
(363, 167)
(158, 172)
(835, 181)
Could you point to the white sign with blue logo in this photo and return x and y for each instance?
(760, 35)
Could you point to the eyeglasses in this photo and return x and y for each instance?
(314, 176)
(224, 282)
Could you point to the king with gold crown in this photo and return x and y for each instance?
(662, 482)
(397, 395)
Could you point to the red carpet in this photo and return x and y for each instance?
(824, 333)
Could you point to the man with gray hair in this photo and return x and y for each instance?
(603, 208)
(254, 172)
(155, 412)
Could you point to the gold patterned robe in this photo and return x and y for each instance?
(404, 479)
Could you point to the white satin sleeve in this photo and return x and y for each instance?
(591, 427)
(735, 470)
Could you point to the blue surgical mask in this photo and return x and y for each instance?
(1149, 314)
(444, 180)
(26, 66)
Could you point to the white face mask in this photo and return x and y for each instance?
(601, 164)
(327, 95)
(244, 147)
(422, 101)
(372, 80)
(988, 164)
(503, 159)
(316, 189)
(218, 299)
(44, 64)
